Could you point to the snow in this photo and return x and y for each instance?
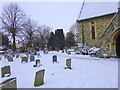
(87, 72)
(94, 9)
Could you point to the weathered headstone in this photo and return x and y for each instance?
(32, 58)
(39, 78)
(5, 71)
(68, 64)
(24, 59)
(37, 63)
(54, 58)
(10, 58)
(9, 84)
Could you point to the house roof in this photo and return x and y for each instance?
(97, 9)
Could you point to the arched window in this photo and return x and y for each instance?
(93, 30)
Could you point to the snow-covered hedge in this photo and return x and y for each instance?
(93, 51)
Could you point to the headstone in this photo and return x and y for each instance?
(32, 58)
(39, 78)
(9, 84)
(35, 52)
(5, 56)
(54, 58)
(17, 56)
(38, 54)
(63, 51)
(24, 59)
(68, 52)
(37, 63)
(68, 64)
(13, 55)
(5, 71)
(10, 58)
(0, 58)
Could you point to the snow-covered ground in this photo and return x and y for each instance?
(87, 72)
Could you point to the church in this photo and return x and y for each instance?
(99, 26)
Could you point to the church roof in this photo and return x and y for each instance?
(96, 9)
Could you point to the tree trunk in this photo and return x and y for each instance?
(14, 43)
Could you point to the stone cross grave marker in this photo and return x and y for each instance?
(10, 59)
(54, 58)
(37, 63)
(5, 71)
(39, 78)
(24, 59)
(32, 58)
(9, 84)
(68, 64)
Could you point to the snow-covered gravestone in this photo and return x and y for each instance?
(37, 63)
(24, 59)
(54, 58)
(10, 58)
(9, 84)
(5, 71)
(68, 64)
(39, 78)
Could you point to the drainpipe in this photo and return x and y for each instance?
(83, 41)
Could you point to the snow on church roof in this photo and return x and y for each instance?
(95, 9)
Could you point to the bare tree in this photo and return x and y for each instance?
(44, 34)
(29, 28)
(75, 31)
(12, 20)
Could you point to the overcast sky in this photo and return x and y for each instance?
(58, 15)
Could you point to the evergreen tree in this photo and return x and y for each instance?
(70, 39)
(59, 39)
(51, 41)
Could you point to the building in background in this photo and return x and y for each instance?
(99, 26)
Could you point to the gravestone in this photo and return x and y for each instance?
(32, 58)
(39, 78)
(63, 51)
(68, 64)
(17, 56)
(24, 59)
(10, 59)
(13, 55)
(0, 58)
(37, 63)
(35, 52)
(38, 54)
(5, 71)
(5, 56)
(9, 84)
(54, 58)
